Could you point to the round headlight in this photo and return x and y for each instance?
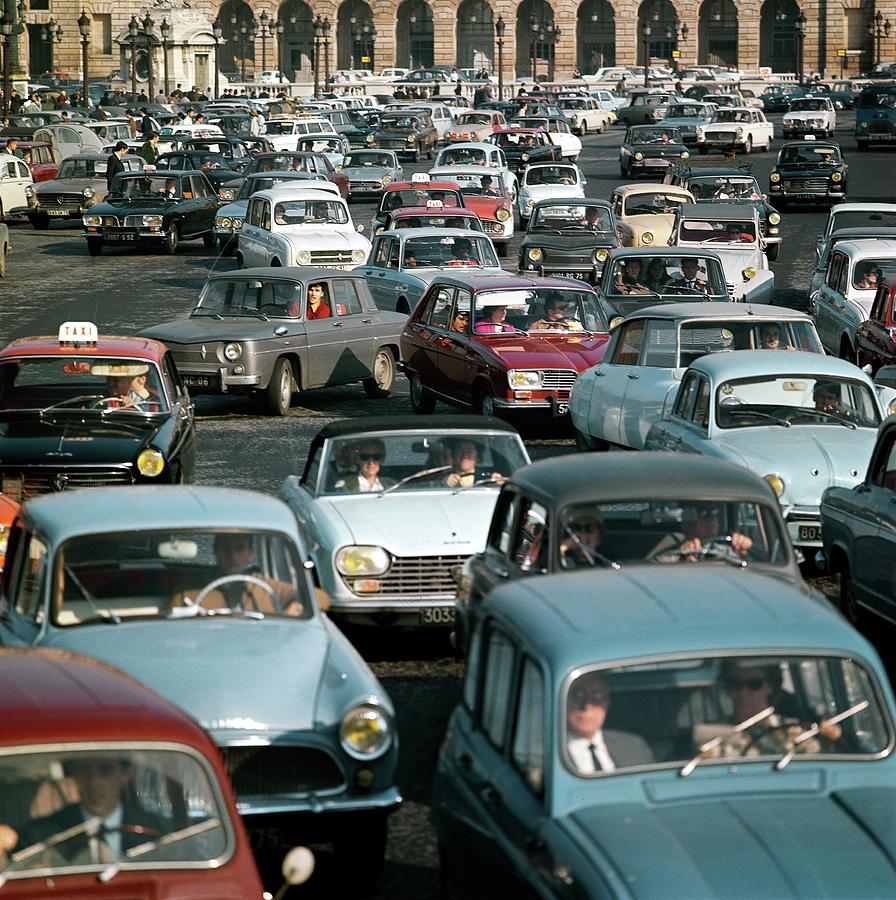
(639, 155)
(237, 224)
(362, 561)
(365, 732)
(776, 482)
(88, 192)
(303, 257)
(647, 237)
(411, 139)
(29, 191)
(358, 255)
(150, 463)
(748, 272)
(535, 254)
(370, 138)
(740, 132)
(93, 220)
(600, 255)
(520, 378)
(525, 157)
(529, 203)
(685, 155)
(773, 219)
(233, 352)
(864, 125)
(226, 194)
(502, 215)
(891, 408)
(387, 179)
(837, 176)
(774, 177)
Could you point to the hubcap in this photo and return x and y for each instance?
(285, 391)
(381, 370)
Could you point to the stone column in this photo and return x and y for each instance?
(627, 37)
(444, 23)
(748, 12)
(384, 47)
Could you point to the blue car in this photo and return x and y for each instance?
(686, 116)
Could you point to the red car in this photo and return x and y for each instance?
(876, 336)
(42, 164)
(108, 790)
(418, 192)
(502, 342)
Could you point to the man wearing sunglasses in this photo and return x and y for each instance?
(581, 538)
(591, 747)
(369, 456)
(706, 528)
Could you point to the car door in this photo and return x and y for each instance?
(694, 426)
(14, 177)
(458, 356)
(430, 336)
(827, 297)
(206, 203)
(254, 235)
(875, 559)
(667, 434)
(181, 449)
(340, 346)
(377, 272)
(25, 588)
(874, 345)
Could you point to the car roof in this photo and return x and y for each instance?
(432, 232)
(56, 696)
(674, 250)
(468, 169)
(572, 201)
(289, 273)
(420, 185)
(717, 210)
(647, 611)
(857, 232)
(285, 192)
(772, 362)
(828, 145)
(651, 187)
(763, 312)
(471, 145)
(407, 211)
(155, 508)
(500, 280)
(106, 345)
(876, 246)
(868, 207)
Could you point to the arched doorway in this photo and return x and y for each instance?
(662, 20)
(414, 37)
(475, 35)
(777, 35)
(355, 36)
(536, 38)
(296, 49)
(595, 36)
(237, 59)
(717, 33)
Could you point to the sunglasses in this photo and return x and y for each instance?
(744, 684)
(370, 457)
(579, 700)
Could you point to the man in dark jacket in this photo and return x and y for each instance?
(150, 150)
(114, 165)
(146, 124)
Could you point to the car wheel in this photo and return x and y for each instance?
(4, 252)
(484, 401)
(209, 239)
(94, 247)
(415, 156)
(771, 251)
(748, 146)
(279, 390)
(172, 240)
(848, 604)
(422, 401)
(587, 444)
(383, 380)
(583, 130)
(40, 222)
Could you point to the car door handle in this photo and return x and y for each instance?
(337, 324)
(489, 795)
(599, 374)
(367, 321)
(633, 375)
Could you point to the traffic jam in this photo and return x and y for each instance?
(454, 502)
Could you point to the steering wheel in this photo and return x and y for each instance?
(232, 579)
(105, 401)
(783, 729)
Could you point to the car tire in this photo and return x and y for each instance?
(4, 252)
(278, 394)
(748, 146)
(484, 400)
(587, 444)
(40, 222)
(501, 249)
(172, 240)
(771, 251)
(848, 604)
(583, 130)
(422, 400)
(383, 380)
(846, 351)
(209, 239)
(94, 247)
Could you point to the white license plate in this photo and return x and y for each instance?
(809, 532)
(200, 380)
(322, 266)
(562, 409)
(57, 212)
(581, 276)
(438, 615)
(121, 237)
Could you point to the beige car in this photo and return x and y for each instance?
(646, 212)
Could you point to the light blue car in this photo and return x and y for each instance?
(686, 116)
(802, 421)
(206, 596)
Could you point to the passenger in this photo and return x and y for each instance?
(557, 315)
(410, 259)
(628, 277)
(584, 534)
(691, 542)
(369, 456)
(317, 308)
(461, 321)
(591, 219)
(462, 251)
(871, 279)
(590, 746)
(736, 233)
(657, 277)
(826, 396)
(493, 321)
(770, 338)
(170, 189)
(689, 279)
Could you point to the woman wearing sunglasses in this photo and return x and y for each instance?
(369, 456)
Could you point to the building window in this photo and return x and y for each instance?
(102, 32)
(39, 4)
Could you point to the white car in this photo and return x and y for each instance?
(300, 228)
(273, 76)
(810, 115)
(736, 128)
(284, 133)
(15, 176)
(585, 114)
(558, 131)
(608, 100)
(479, 154)
(548, 181)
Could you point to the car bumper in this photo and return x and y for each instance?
(126, 236)
(639, 167)
(589, 274)
(827, 195)
(384, 801)
(556, 406)
(803, 128)
(229, 233)
(889, 137)
(803, 526)
(396, 612)
(218, 381)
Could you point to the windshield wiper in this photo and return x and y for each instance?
(423, 474)
(592, 556)
(82, 398)
(92, 825)
(711, 744)
(834, 417)
(784, 423)
(816, 727)
(104, 615)
(196, 310)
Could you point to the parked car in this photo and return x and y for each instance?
(686, 116)
(404, 262)
(650, 150)
(646, 212)
(155, 210)
(558, 130)
(409, 133)
(420, 191)
(523, 146)
(618, 401)
(86, 409)
(501, 342)
(371, 170)
(585, 114)
(738, 128)
(570, 240)
(810, 115)
(802, 421)
(366, 548)
(284, 133)
(273, 76)
(809, 172)
(315, 758)
(543, 181)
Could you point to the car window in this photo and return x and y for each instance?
(441, 308)
(499, 664)
(471, 678)
(701, 405)
(528, 733)
(628, 347)
(503, 520)
(659, 344)
(266, 215)
(380, 254)
(345, 298)
(843, 277)
(255, 212)
(686, 394)
(885, 476)
(31, 574)
(834, 270)
(531, 541)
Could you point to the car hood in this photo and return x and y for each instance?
(70, 185)
(651, 151)
(791, 169)
(237, 208)
(456, 523)
(557, 351)
(734, 261)
(551, 191)
(308, 238)
(64, 439)
(770, 846)
(832, 452)
(570, 240)
(199, 329)
(217, 668)
(367, 173)
(486, 206)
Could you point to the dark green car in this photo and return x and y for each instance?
(809, 172)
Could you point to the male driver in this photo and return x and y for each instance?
(770, 338)
(126, 385)
(556, 315)
(688, 280)
(464, 459)
(703, 531)
(318, 308)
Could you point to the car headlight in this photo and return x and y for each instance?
(387, 179)
(303, 257)
(773, 219)
(639, 155)
(502, 215)
(837, 176)
(535, 254)
(222, 222)
(362, 560)
(370, 138)
(776, 483)
(411, 139)
(748, 273)
(525, 157)
(788, 122)
(647, 237)
(233, 352)
(740, 132)
(521, 378)
(88, 192)
(685, 155)
(29, 191)
(529, 203)
(774, 178)
(601, 255)
(365, 732)
(150, 463)
(226, 194)
(864, 125)
(358, 255)
(92, 220)
(152, 220)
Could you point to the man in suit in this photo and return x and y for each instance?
(689, 280)
(103, 782)
(114, 165)
(591, 747)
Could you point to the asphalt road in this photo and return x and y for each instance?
(52, 279)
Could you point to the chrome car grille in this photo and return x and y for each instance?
(879, 128)
(806, 184)
(721, 137)
(72, 202)
(22, 484)
(330, 257)
(133, 222)
(420, 576)
(490, 226)
(729, 287)
(365, 186)
(561, 380)
(262, 771)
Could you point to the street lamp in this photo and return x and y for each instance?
(217, 34)
(148, 25)
(325, 28)
(674, 33)
(877, 30)
(318, 40)
(6, 29)
(279, 29)
(268, 27)
(645, 32)
(165, 30)
(53, 33)
(533, 27)
(244, 29)
(500, 28)
(84, 28)
(133, 31)
(800, 26)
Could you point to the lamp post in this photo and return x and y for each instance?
(500, 28)
(165, 30)
(267, 27)
(53, 33)
(674, 33)
(533, 27)
(877, 30)
(133, 31)
(645, 32)
(326, 32)
(6, 29)
(318, 40)
(84, 29)
(279, 29)
(800, 26)
(148, 25)
(244, 29)
(217, 34)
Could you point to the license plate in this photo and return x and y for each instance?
(121, 237)
(57, 212)
(321, 266)
(561, 409)
(200, 380)
(809, 532)
(802, 197)
(268, 839)
(581, 276)
(656, 162)
(438, 615)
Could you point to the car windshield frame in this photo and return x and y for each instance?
(574, 211)
(351, 160)
(709, 270)
(437, 252)
(641, 136)
(76, 168)
(528, 307)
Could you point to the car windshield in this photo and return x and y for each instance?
(463, 156)
(714, 710)
(727, 231)
(686, 111)
(172, 813)
(655, 136)
(222, 148)
(470, 223)
(794, 400)
(310, 212)
(723, 100)
(474, 119)
(512, 140)
(807, 104)
(367, 158)
(651, 203)
(572, 104)
(81, 168)
(105, 384)
(563, 217)
(877, 100)
(434, 252)
(144, 574)
(671, 277)
(485, 185)
(724, 187)
(274, 126)
(868, 274)
(809, 154)
(251, 297)
(419, 461)
(146, 186)
(731, 115)
(562, 175)
(281, 163)
(858, 218)
(419, 197)
(410, 123)
(550, 310)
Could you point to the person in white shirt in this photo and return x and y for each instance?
(591, 747)
(369, 455)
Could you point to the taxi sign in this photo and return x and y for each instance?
(419, 177)
(434, 204)
(78, 333)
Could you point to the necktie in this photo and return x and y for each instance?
(100, 851)
(593, 751)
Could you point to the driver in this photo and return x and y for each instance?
(736, 234)
(826, 396)
(126, 389)
(464, 463)
(688, 279)
(557, 316)
(704, 530)
(488, 187)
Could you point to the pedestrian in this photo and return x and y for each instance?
(33, 104)
(147, 126)
(114, 165)
(150, 149)
(12, 145)
(132, 123)
(254, 123)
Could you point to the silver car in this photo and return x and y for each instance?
(369, 171)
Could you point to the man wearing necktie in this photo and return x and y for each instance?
(688, 279)
(591, 747)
